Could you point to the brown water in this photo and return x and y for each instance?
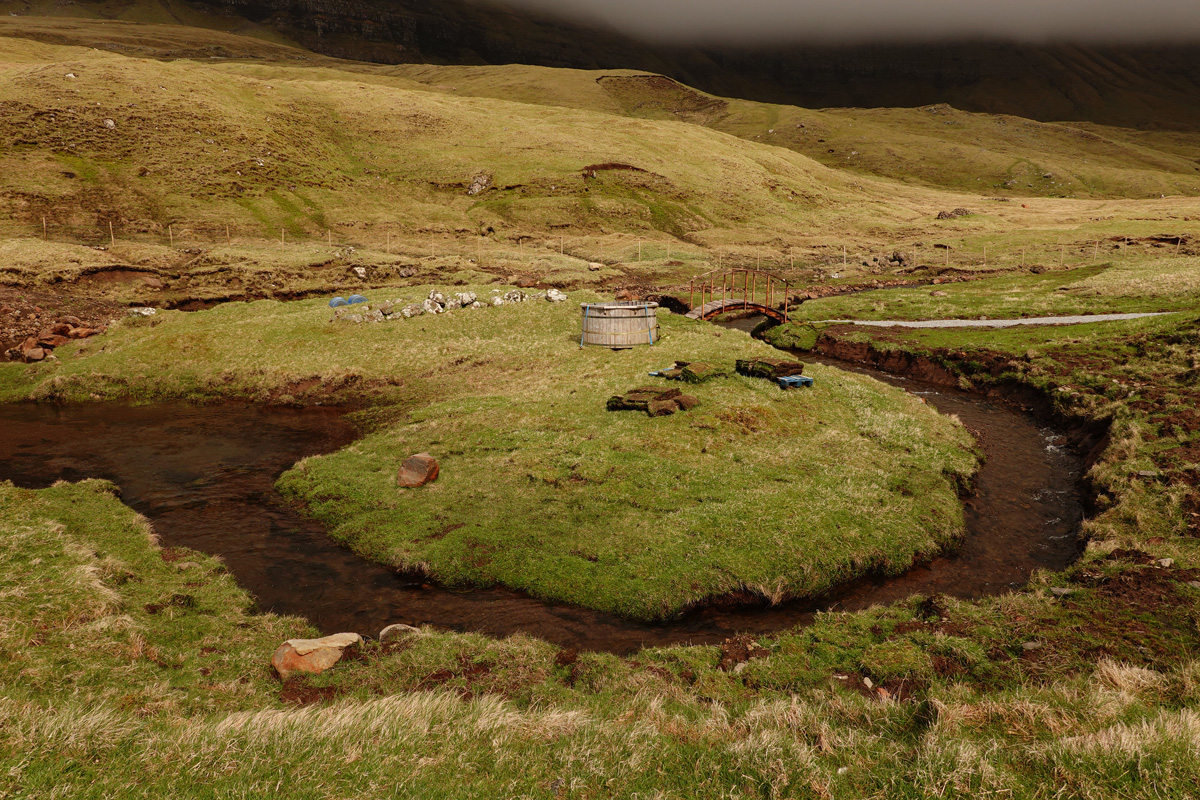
(204, 476)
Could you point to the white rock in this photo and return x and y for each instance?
(1166, 562)
(410, 311)
(497, 301)
(145, 311)
(431, 306)
(110, 124)
(361, 272)
(437, 297)
(466, 298)
(453, 303)
(555, 296)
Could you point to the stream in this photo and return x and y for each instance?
(204, 476)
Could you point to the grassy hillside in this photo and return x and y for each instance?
(936, 146)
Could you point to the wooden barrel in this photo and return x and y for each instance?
(619, 324)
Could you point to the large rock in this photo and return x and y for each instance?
(417, 471)
(313, 656)
(431, 306)
(555, 296)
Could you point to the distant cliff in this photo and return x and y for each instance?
(1133, 86)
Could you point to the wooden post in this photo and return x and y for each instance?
(281, 238)
(1096, 252)
(112, 240)
(171, 233)
(639, 249)
(985, 256)
(1178, 240)
(843, 256)
(45, 233)
(228, 239)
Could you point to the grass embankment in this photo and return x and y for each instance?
(773, 493)
(130, 673)
(1165, 283)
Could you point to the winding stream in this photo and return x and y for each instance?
(204, 476)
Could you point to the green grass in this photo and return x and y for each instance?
(775, 493)
(1166, 283)
(103, 698)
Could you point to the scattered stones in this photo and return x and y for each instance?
(410, 311)
(958, 212)
(431, 306)
(417, 470)
(313, 656)
(466, 299)
(481, 182)
(437, 297)
(654, 400)
(41, 346)
(515, 296)
(397, 631)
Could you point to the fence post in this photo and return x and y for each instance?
(171, 234)
(112, 240)
(45, 233)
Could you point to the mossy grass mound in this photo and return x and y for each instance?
(541, 488)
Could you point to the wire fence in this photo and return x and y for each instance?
(609, 248)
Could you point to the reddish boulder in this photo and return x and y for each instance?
(417, 471)
(313, 656)
(52, 341)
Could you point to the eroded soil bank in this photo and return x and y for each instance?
(204, 476)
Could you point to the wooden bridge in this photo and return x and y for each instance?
(730, 290)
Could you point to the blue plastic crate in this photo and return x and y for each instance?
(794, 381)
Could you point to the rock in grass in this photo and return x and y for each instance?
(661, 408)
(417, 470)
(313, 656)
(397, 631)
(555, 296)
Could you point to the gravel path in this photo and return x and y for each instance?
(992, 323)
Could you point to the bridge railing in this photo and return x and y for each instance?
(750, 286)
